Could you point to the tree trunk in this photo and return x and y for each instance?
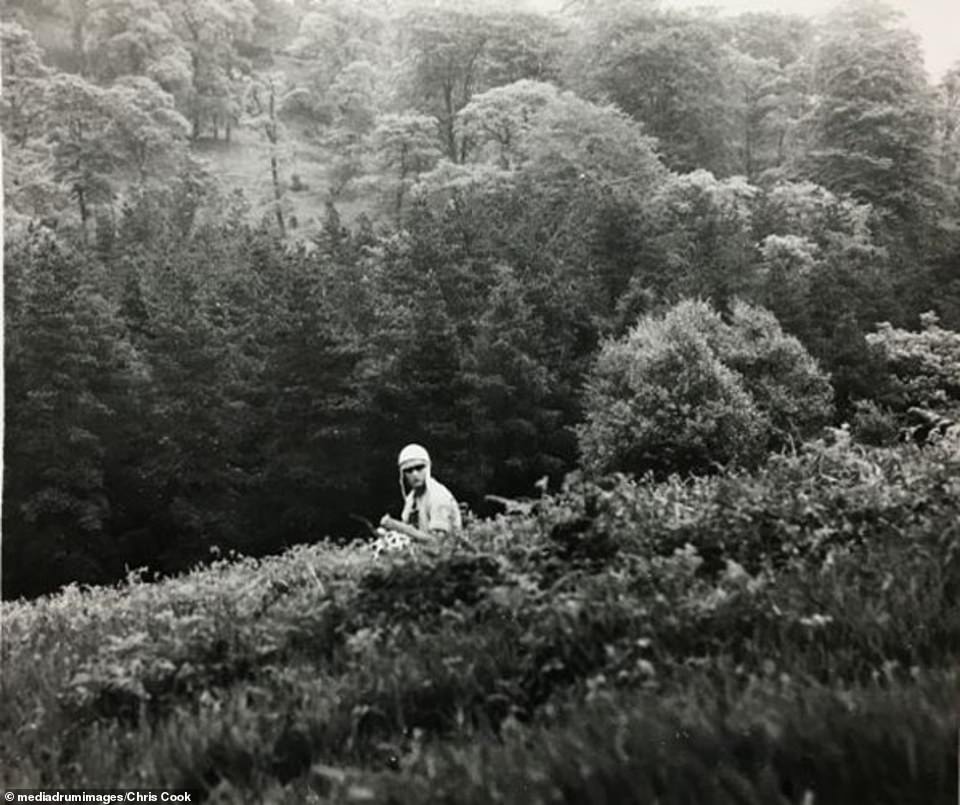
(273, 135)
(447, 122)
(277, 195)
(403, 178)
(84, 212)
(195, 70)
(781, 140)
(748, 150)
(77, 36)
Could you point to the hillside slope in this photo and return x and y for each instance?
(781, 637)
(244, 164)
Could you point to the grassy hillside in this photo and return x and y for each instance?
(786, 636)
(244, 164)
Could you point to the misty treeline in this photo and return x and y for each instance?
(185, 370)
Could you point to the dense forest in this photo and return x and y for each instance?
(253, 247)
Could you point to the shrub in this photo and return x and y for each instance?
(686, 390)
(790, 629)
(873, 424)
(924, 367)
(778, 373)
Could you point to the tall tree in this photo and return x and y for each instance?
(83, 161)
(768, 110)
(948, 128)
(668, 70)
(872, 126)
(313, 468)
(446, 49)
(25, 78)
(405, 146)
(555, 187)
(701, 230)
(98, 140)
(353, 99)
(522, 45)
(268, 94)
(146, 132)
(69, 372)
(78, 14)
(772, 80)
(335, 33)
(192, 302)
(212, 32)
(516, 419)
(417, 391)
(500, 120)
(136, 37)
(453, 54)
(945, 276)
(30, 192)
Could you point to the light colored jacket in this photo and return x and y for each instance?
(436, 508)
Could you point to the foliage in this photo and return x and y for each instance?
(124, 39)
(770, 84)
(452, 53)
(210, 32)
(873, 123)
(669, 70)
(873, 424)
(703, 228)
(618, 633)
(511, 393)
(948, 124)
(268, 96)
(305, 434)
(146, 131)
(662, 399)
(406, 146)
(78, 142)
(923, 367)
(500, 119)
(506, 203)
(334, 35)
(24, 79)
(69, 373)
(182, 385)
(688, 388)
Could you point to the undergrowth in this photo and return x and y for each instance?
(789, 635)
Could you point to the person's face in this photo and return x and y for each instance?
(415, 476)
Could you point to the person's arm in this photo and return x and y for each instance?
(398, 525)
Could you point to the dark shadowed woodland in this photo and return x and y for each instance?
(673, 298)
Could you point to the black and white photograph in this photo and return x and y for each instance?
(482, 402)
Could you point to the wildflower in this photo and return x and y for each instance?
(390, 542)
(646, 668)
(816, 620)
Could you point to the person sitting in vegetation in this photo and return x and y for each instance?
(429, 508)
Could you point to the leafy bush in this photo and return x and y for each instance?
(686, 390)
(873, 424)
(924, 367)
(790, 629)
